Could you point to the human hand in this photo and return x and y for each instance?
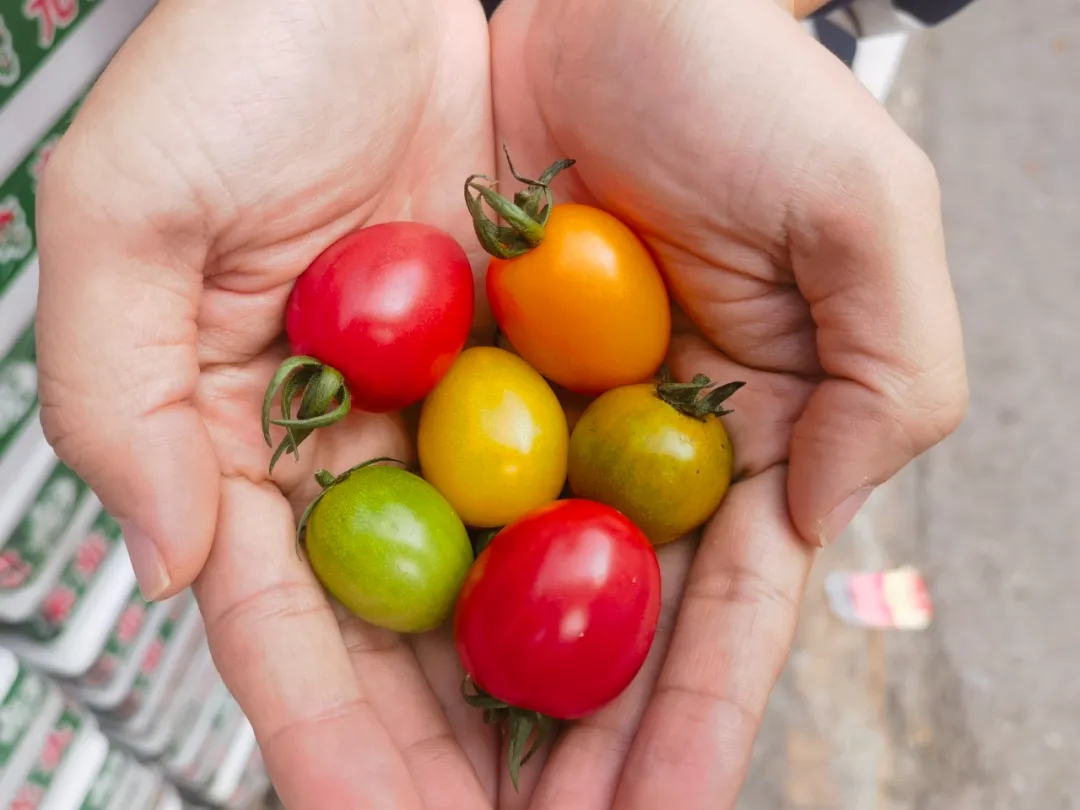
(800, 232)
(223, 149)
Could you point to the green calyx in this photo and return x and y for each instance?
(522, 725)
(482, 539)
(327, 480)
(324, 400)
(525, 215)
(699, 398)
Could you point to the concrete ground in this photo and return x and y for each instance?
(982, 711)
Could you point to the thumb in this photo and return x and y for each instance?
(117, 362)
(869, 256)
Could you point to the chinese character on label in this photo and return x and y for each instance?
(28, 798)
(55, 746)
(57, 605)
(51, 512)
(9, 57)
(89, 555)
(152, 657)
(131, 621)
(16, 240)
(51, 15)
(14, 571)
(895, 600)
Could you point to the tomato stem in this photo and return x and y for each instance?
(526, 215)
(324, 400)
(482, 539)
(699, 398)
(522, 725)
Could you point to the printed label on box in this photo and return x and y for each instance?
(18, 711)
(121, 640)
(151, 660)
(221, 736)
(57, 744)
(41, 527)
(53, 614)
(17, 195)
(29, 31)
(107, 782)
(18, 387)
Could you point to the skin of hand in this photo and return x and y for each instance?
(800, 233)
(223, 149)
(227, 145)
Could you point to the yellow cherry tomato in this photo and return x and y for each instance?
(493, 438)
(657, 453)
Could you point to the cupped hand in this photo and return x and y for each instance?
(799, 231)
(223, 149)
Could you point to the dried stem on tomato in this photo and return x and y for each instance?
(324, 400)
(482, 539)
(521, 725)
(699, 398)
(525, 215)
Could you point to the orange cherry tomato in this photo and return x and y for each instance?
(574, 290)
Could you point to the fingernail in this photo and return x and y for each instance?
(150, 571)
(838, 519)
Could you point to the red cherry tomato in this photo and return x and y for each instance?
(557, 614)
(374, 322)
(388, 306)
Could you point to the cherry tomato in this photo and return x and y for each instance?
(657, 453)
(492, 438)
(559, 611)
(387, 546)
(575, 291)
(374, 322)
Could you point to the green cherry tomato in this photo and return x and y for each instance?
(657, 453)
(389, 547)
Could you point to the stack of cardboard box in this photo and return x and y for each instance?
(107, 702)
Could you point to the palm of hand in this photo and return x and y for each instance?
(613, 92)
(310, 139)
(339, 115)
(697, 129)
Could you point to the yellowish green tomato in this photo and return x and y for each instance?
(389, 547)
(493, 438)
(657, 453)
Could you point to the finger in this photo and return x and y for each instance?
(586, 762)
(732, 636)
(479, 740)
(868, 254)
(118, 366)
(276, 642)
(397, 688)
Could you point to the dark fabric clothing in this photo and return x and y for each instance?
(929, 12)
(842, 44)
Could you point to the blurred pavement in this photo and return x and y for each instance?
(982, 711)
